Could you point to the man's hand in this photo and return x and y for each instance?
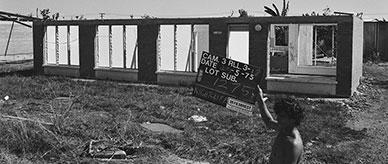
(260, 98)
(262, 108)
(260, 90)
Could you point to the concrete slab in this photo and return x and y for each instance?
(304, 84)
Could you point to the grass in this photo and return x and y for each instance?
(64, 115)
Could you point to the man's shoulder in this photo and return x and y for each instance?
(289, 143)
(294, 142)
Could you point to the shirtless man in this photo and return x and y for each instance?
(288, 145)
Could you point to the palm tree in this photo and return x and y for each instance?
(276, 12)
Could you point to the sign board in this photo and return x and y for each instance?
(239, 106)
(227, 82)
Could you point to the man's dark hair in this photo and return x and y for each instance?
(291, 108)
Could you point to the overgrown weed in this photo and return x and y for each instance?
(84, 111)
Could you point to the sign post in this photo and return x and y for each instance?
(227, 82)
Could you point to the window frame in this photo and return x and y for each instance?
(333, 42)
(294, 67)
(133, 65)
(68, 56)
(273, 33)
(192, 57)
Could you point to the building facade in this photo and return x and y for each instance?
(310, 55)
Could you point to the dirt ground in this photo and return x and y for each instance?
(373, 118)
(352, 130)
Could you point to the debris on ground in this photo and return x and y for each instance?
(160, 128)
(197, 118)
(103, 149)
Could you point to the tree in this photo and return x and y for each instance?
(325, 12)
(276, 12)
(243, 13)
(45, 13)
(281, 30)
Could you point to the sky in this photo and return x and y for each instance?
(189, 8)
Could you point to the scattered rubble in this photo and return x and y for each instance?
(104, 149)
(160, 128)
(197, 118)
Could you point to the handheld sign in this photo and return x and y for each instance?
(227, 82)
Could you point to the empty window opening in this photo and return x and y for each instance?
(117, 46)
(74, 45)
(200, 44)
(131, 46)
(103, 47)
(51, 52)
(61, 45)
(167, 47)
(238, 43)
(180, 45)
(117, 54)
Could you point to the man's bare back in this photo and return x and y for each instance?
(288, 145)
(287, 148)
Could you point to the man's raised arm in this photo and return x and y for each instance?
(265, 114)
